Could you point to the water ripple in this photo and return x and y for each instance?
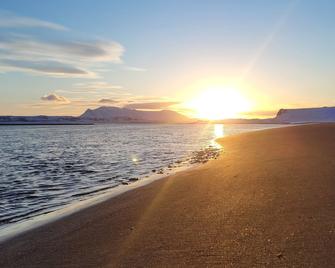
(43, 168)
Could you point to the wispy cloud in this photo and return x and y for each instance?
(48, 67)
(96, 85)
(10, 20)
(52, 97)
(65, 58)
(151, 105)
(64, 55)
(108, 101)
(134, 69)
(95, 89)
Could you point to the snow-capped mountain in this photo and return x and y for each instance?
(306, 115)
(116, 114)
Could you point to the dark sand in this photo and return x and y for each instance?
(269, 200)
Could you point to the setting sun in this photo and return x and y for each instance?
(219, 103)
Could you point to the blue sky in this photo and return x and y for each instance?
(61, 57)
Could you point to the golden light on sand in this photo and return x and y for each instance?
(219, 103)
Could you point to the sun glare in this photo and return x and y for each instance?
(218, 130)
(219, 103)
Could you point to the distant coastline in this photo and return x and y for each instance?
(45, 124)
(109, 114)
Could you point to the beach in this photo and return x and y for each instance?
(268, 200)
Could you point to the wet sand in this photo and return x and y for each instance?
(268, 200)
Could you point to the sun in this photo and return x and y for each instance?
(219, 103)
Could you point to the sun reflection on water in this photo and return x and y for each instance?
(134, 159)
(218, 130)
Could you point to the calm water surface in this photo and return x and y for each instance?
(43, 168)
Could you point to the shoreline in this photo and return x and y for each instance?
(16, 229)
(268, 200)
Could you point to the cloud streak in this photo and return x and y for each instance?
(63, 56)
(96, 85)
(108, 101)
(10, 20)
(48, 67)
(150, 105)
(67, 50)
(134, 69)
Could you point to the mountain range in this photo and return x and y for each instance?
(108, 114)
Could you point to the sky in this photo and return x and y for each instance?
(62, 57)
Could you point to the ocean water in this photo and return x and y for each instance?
(44, 168)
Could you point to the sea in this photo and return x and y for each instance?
(46, 168)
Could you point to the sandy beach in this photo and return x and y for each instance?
(268, 200)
